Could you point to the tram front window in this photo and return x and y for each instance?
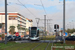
(33, 33)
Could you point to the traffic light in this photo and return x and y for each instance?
(56, 26)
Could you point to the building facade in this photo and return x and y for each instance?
(29, 23)
(13, 19)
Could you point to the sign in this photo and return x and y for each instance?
(17, 34)
(61, 28)
(65, 34)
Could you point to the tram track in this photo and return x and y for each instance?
(23, 46)
(36, 46)
(47, 46)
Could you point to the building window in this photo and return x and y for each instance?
(12, 18)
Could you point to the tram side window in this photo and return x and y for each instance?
(37, 33)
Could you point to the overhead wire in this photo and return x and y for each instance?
(44, 8)
(26, 8)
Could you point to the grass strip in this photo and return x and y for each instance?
(41, 47)
(30, 47)
(17, 47)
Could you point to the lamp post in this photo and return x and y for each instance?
(37, 21)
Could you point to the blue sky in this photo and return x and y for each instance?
(52, 7)
(49, 9)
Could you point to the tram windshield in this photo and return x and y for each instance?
(33, 33)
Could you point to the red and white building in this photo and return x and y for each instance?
(14, 19)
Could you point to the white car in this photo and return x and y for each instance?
(26, 37)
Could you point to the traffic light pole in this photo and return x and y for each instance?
(6, 21)
(56, 33)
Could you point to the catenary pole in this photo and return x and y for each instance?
(45, 24)
(64, 20)
(6, 21)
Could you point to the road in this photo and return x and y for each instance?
(40, 41)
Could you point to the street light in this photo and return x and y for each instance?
(37, 21)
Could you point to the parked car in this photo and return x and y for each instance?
(17, 37)
(70, 38)
(26, 37)
(11, 37)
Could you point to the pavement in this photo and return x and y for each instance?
(40, 41)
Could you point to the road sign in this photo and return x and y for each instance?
(61, 28)
(65, 34)
(17, 34)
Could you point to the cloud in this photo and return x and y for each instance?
(57, 18)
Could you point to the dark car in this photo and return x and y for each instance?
(70, 38)
(11, 37)
(17, 37)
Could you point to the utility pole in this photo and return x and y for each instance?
(64, 20)
(45, 24)
(49, 29)
(37, 20)
(48, 23)
(6, 21)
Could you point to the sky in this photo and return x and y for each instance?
(34, 9)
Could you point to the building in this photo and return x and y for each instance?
(13, 19)
(29, 23)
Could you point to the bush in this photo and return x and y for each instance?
(3, 36)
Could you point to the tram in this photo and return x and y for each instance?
(34, 33)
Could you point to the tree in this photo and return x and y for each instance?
(26, 29)
(70, 30)
(12, 29)
(19, 28)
